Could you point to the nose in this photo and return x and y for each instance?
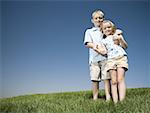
(100, 19)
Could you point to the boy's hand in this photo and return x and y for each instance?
(100, 48)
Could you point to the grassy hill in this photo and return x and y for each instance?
(137, 101)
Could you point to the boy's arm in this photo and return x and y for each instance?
(99, 48)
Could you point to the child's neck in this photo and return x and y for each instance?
(109, 35)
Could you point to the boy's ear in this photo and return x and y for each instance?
(92, 20)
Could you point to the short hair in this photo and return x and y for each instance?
(97, 11)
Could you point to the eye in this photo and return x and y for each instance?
(99, 18)
(105, 28)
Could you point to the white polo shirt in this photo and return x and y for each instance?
(95, 36)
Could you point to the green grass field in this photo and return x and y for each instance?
(137, 101)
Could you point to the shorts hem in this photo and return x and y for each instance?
(94, 80)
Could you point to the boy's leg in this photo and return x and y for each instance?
(95, 88)
(107, 89)
(114, 90)
(95, 78)
(121, 83)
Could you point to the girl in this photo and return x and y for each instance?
(117, 62)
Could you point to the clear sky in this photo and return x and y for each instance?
(42, 44)
(0, 54)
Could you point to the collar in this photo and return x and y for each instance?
(96, 28)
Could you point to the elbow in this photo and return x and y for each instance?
(126, 46)
(88, 45)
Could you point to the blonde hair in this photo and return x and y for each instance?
(112, 24)
(98, 11)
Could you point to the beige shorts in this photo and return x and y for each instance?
(98, 72)
(115, 63)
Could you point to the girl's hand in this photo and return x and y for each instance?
(117, 35)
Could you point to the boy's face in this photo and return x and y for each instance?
(97, 19)
(107, 29)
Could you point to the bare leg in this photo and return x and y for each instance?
(121, 83)
(95, 88)
(107, 89)
(114, 90)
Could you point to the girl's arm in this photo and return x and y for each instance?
(122, 41)
(119, 37)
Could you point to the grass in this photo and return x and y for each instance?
(137, 101)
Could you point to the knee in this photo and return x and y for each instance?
(114, 82)
(120, 80)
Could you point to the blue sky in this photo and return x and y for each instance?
(42, 44)
(0, 55)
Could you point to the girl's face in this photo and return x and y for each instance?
(107, 29)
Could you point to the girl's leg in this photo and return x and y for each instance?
(121, 83)
(107, 89)
(114, 91)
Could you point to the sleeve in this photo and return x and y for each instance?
(87, 37)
